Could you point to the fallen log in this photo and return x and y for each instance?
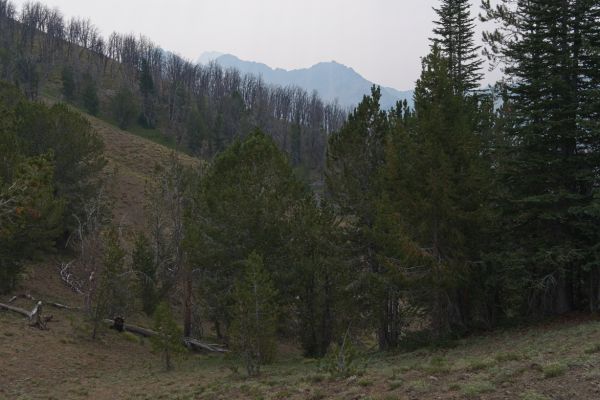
(55, 305)
(34, 316)
(190, 343)
(134, 329)
(194, 344)
(15, 309)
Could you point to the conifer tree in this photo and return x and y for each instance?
(111, 293)
(355, 157)
(435, 185)
(148, 115)
(549, 164)
(89, 95)
(168, 341)
(455, 30)
(246, 201)
(143, 264)
(253, 330)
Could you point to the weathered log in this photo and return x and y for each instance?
(50, 303)
(190, 343)
(134, 329)
(34, 316)
(15, 309)
(195, 344)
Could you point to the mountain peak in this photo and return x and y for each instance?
(209, 56)
(332, 80)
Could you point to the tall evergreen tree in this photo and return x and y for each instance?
(455, 32)
(254, 324)
(436, 184)
(549, 166)
(355, 157)
(147, 89)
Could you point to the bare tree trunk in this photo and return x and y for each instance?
(187, 307)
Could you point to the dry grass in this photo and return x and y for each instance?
(132, 164)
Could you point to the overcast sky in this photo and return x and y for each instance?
(383, 40)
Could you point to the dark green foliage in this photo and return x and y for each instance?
(320, 279)
(245, 202)
(455, 30)
(49, 162)
(110, 296)
(148, 115)
(30, 217)
(169, 339)
(436, 184)
(124, 107)
(68, 83)
(89, 95)
(354, 161)
(342, 360)
(253, 326)
(77, 149)
(28, 77)
(143, 264)
(549, 157)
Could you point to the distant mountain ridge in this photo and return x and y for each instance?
(331, 80)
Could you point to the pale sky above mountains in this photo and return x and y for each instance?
(383, 40)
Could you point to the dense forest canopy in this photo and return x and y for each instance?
(472, 210)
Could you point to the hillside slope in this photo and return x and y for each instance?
(559, 360)
(132, 162)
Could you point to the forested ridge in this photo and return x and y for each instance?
(132, 81)
(474, 210)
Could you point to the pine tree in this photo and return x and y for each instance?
(254, 323)
(246, 201)
(124, 108)
(143, 264)
(30, 217)
(355, 157)
(68, 83)
(432, 211)
(89, 95)
(111, 293)
(148, 115)
(549, 165)
(168, 341)
(455, 30)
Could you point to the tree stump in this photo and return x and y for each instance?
(118, 324)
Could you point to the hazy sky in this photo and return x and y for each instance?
(381, 39)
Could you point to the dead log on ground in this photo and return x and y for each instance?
(50, 303)
(190, 343)
(34, 316)
(195, 344)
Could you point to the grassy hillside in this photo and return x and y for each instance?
(132, 161)
(557, 360)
